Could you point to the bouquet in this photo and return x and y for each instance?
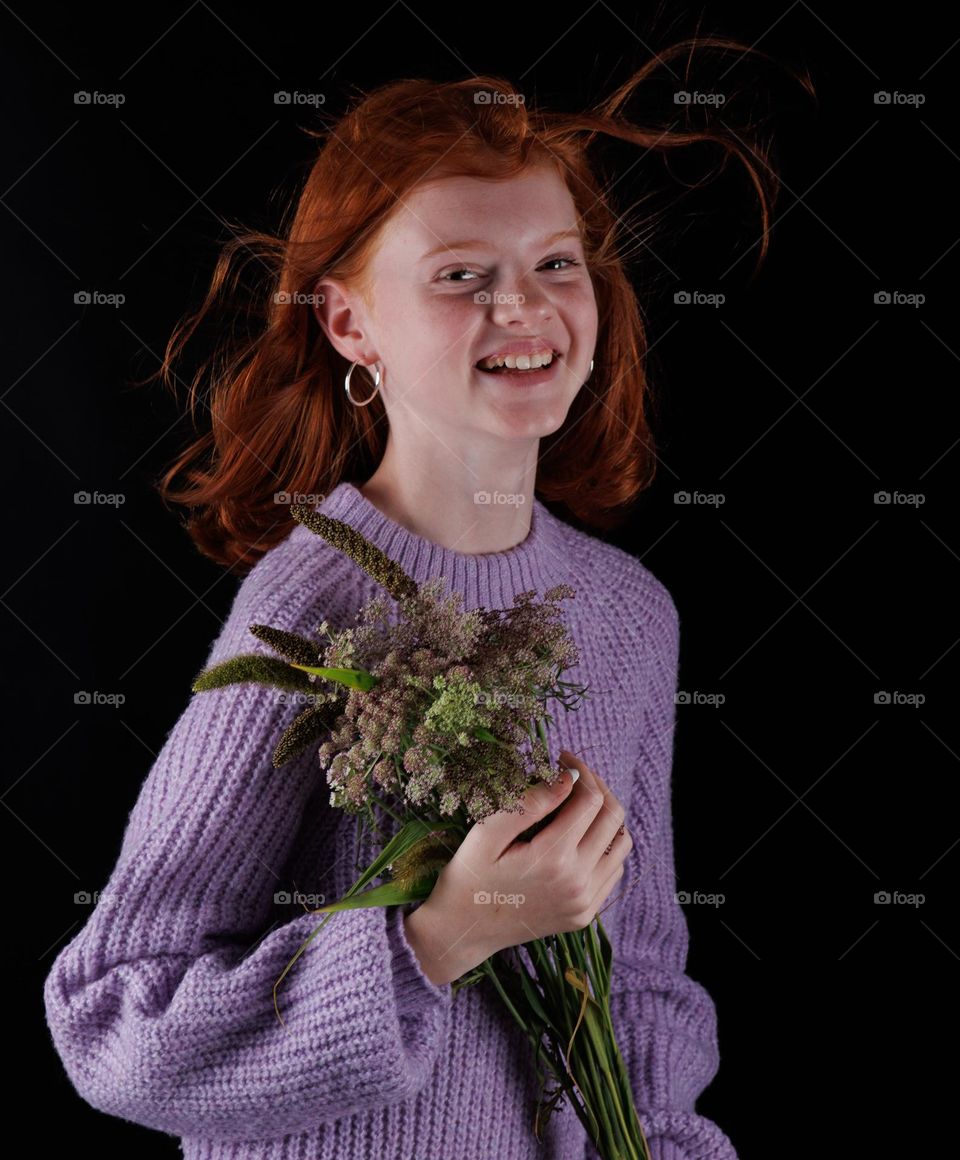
(439, 720)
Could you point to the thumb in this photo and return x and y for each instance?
(497, 831)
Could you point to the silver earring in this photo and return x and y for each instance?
(376, 385)
(591, 368)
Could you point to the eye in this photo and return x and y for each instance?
(549, 261)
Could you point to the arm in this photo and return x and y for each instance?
(664, 1021)
(160, 1010)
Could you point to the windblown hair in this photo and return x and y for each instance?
(279, 418)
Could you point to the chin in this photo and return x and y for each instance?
(534, 425)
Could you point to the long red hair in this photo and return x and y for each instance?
(279, 421)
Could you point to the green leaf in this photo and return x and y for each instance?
(253, 667)
(352, 678)
(483, 734)
(389, 894)
(408, 835)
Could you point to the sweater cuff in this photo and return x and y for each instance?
(410, 983)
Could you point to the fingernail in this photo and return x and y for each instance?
(574, 774)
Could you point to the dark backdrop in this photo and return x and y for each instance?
(800, 796)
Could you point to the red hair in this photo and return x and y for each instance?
(279, 419)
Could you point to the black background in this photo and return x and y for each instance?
(797, 799)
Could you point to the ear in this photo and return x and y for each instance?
(339, 311)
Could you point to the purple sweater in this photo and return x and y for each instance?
(161, 1007)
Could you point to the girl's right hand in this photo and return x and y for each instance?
(498, 892)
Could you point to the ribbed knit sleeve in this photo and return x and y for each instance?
(161, 1007)
(664, 1021)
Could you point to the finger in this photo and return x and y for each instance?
(578, 811)
(606, 827)
(611, 886)
(496, 833)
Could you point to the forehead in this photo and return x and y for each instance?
(513, 211)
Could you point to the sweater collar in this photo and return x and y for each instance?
(485, 579)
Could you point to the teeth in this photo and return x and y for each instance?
(519, 362)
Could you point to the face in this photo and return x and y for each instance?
(438, 306)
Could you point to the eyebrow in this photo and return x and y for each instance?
(479, 243)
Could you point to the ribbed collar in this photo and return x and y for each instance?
(485, 579)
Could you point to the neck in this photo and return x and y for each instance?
(472, 508)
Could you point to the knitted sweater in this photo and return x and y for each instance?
(161, 1006)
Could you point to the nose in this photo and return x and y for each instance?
(518, 301)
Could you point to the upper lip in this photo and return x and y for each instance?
(520, 346)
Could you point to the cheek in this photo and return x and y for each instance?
(446, 328)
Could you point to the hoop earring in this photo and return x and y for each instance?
(376, 385)
(590, 372)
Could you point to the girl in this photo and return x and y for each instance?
(458, 247)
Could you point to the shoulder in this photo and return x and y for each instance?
(622, 583)
(297, 583)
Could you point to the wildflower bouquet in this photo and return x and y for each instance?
(437, 721)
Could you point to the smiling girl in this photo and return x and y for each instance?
(449, 343)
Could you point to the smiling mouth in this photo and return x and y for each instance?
(518, 364)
